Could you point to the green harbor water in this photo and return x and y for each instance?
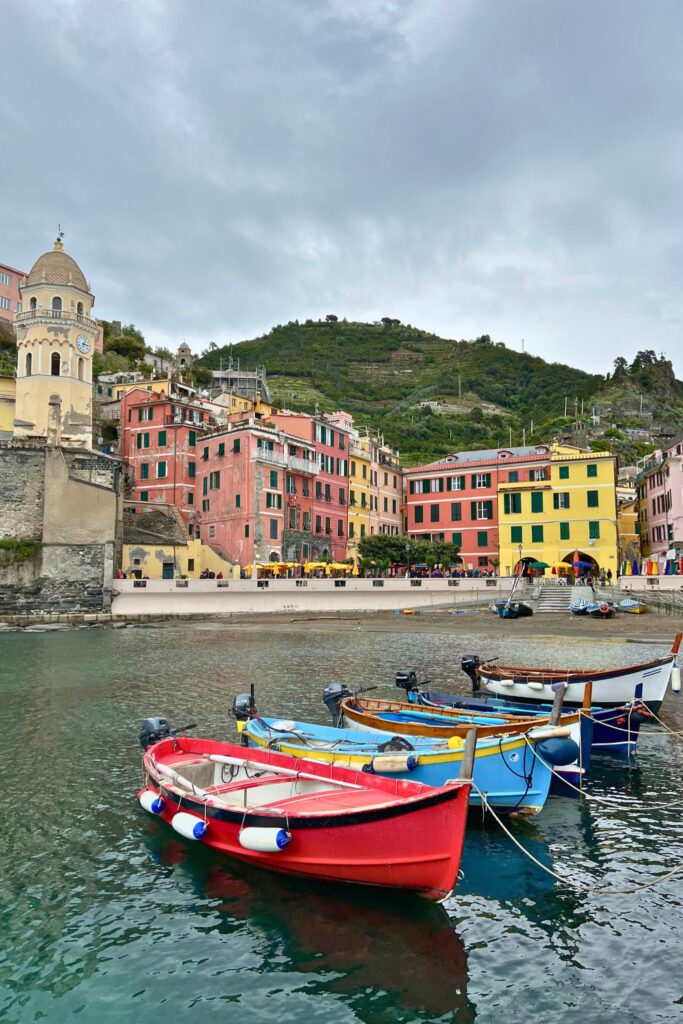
(107, 916)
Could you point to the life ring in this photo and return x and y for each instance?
(603, 607)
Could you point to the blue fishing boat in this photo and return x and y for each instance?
(506, 768)
(579, 607)
(605, 730)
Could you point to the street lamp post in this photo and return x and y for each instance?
(408, 559)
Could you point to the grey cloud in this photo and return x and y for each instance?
(470, 167)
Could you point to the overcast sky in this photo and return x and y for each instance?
(220, 166)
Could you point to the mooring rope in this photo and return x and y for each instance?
(594, 890)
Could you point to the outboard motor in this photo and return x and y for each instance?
(333, 695)
(407, 680)
(469, 664)
(154, 729)
(244, 706)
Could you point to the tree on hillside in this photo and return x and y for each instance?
(620, 368)
(331, 318)
(128, 341)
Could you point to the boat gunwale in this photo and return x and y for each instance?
(496, 671)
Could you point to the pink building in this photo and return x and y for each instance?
(10, 298)
(660, 500)
(330, 497)
(161, 445)
(456, 498)
(255, 494)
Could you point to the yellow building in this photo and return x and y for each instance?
(56, 340)
(174, 561)
(7, 406)
(565, 504)
(627, 526)
(359, 493)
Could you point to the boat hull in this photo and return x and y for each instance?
(409, 839)
(646, 683)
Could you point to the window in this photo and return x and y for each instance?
(482, 538)
(144, 495)
(591, 469)
(419, 513)
(304, 488)
(56, 303)
(246, 530)
(238, 501)
(594, 530)
(273, 478)
(513, 476)
(512, 503)
(386, 504)
(190, 498)
(456, 511)
(221, 450)
(79, 308)
(592, 499)
(162, 438)
(481, 509)
(564, 531)
(564, 472)
(342, 496)
(433, 513)
(145, 414)
(328, 524)
(362, 529)
(236, 446)
(318, 524)
(273, 500)
(29, 364)
(5, 303)
(352, 530)
(457, 539)
(273, 529)
(144, 471)
(192, 439)
(5, 278)
(143, 441)
(205, 505)
(192, 470)
(340, 527)
(393, 506)
(55, 364)
(515, 534)
(212, 531)
(353, 468)
(561, 499)
(536, 501)
(33, 303)
(483, 561)
(81, 368)
(537, 474)
(536, 534)
(307, 520)
(435, 485)
(190, 565)
(480, 480)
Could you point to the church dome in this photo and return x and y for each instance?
(57, 267)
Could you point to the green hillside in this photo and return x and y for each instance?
(383, 373)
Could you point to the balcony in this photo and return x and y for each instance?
(56, 314)
(272, 458)
(297, 465)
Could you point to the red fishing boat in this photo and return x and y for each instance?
(307, 818)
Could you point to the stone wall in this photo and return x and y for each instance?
(22, 489)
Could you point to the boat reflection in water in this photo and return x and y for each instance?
(377, 950)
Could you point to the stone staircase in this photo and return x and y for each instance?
(553, 598)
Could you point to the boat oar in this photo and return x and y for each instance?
(556, 712)
(469, 750)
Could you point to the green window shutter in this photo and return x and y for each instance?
(536, 501)
(536, 534)
(556, 501)
(205, 485)
(140, 411)
(144, 471)
(273, 478)
(238, 500)
(564, 531)
(236, 446)
(564, 472)
(221, 449)
(146, 441)
(461, 485)
(487, 479)
(144, 495)
(457, 539)
(482, 538)
(474, 480)
(217, 478)
(246, 530)
(138, 441)
(191, 470)
(192, 438)
(473, 510)
(506, 504)
(489, 509)
(419, 513)
(594, 530)
(456, 511)
(513, 476)
(161, 470)
(515, 534)
(591, 469)
(162, 438)
(434, 513)
(592, 499)
(412, 487)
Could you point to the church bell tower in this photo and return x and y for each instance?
(56, 341)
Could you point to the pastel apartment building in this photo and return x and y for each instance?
(659, 485)
(10, 295)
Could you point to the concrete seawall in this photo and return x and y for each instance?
(248, 597)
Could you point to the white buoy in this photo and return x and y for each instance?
(189, 825)
(152, 802)
(676, 679)
(264, 840)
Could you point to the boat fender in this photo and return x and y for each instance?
(535, 686)
(392, 763)
(264, 840)
(283, 725)
(603, 607)
(558, 750)
(506, 682)
(189, 825)
(455, 743)
(152, 802)
(676, 679)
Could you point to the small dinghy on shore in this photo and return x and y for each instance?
(305, 818)
(631, 606)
